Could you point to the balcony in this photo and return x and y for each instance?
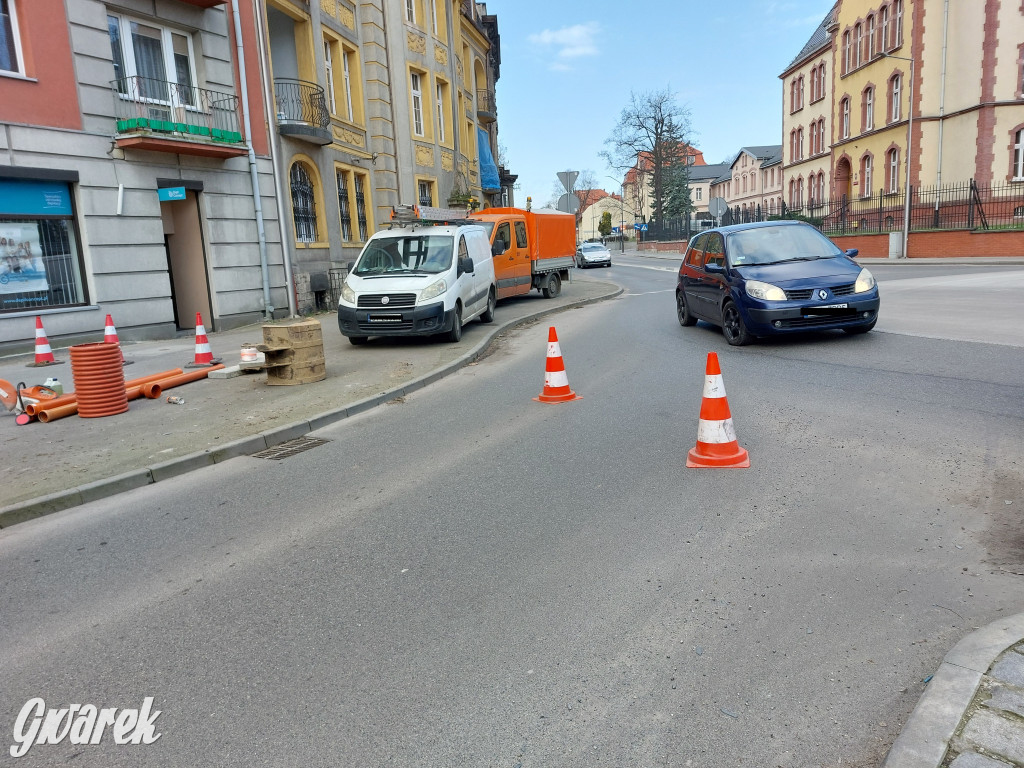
(486, 111)
(302, 111)
(205, 3)
(162, 116)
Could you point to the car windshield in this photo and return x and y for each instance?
(772, 245)
(404, 254)
(593, 247)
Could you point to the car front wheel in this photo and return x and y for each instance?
(683, 311)
(733, 327)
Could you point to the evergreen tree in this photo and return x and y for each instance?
(605, 225)
(678, 202)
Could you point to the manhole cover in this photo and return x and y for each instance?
(290, 448)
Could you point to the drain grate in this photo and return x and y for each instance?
(290, 448)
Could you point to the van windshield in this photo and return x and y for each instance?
(404, 254)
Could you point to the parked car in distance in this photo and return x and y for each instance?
(773, 277)
(593, 255)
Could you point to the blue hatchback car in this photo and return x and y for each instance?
(773, 277)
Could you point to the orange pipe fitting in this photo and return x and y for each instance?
(153, 389)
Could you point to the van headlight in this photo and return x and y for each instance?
(865, 282)
(347, 294)
(433, 291)
(765, 291)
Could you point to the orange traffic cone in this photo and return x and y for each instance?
(44, 355)
(204, 356)
(110, 337)
(716, 435)
(556, 382)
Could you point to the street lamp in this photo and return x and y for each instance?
(622, 213)
(910, 135)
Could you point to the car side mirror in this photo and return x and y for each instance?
(713, 267)
(851, 252)
(498, 248)
(466, 265)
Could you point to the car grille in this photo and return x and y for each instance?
(802, 294)
(394, 301)
(818, 320)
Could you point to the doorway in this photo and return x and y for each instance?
(186, 261)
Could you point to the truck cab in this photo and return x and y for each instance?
(424, 276)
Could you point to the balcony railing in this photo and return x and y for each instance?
(486, 110)
(302, 110)
(161, 110)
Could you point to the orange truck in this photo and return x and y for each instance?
(531, 249)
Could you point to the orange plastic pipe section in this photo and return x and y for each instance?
(135, 385)
(153, 389)
(57, 412)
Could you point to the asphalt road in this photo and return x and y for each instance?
(472, 578)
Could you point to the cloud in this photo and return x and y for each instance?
(569, 43)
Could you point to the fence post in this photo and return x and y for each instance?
(970, 207)
(881, 202)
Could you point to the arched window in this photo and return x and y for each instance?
(821, 80)
(885, 28)
(865, 176)
(800, 192)
(821, 186)
(1018, 156)
(871, 37)
(893, 170)
(303, 204)
(868, 105)
(800, 143)
(859, 53)
(844, 109)
(894, 98)
(847, 61)
(897, 23)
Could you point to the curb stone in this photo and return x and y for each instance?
(100, 489)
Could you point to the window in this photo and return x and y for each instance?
(800, 144)
(425, 190)
(360, 206)
(10, 39)
(822, 82)
(792, 192)
(885, 28)
(865, 176)
(893, 170)
(347, 74)
(894, 97)
(344, 206)
(1018, 156)
(303, 205)
(871, 38)
(845, 117)
(800, 192)
(151, 63)
(821, 135)
(847, 61)
(698, 194)
(417, 103)
(869, 109)
(897, 25)
(821, 186)
(800, 92)
(329, 65)
(520, 234)
(859, 53)
(410, 11)
(433, 16)
(40, 259)
(440, 88)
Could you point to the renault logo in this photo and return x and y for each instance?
(822, 294)
(387, 299)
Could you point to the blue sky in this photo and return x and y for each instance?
(568, 66)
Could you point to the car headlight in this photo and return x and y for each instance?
(865, 282)
(347, 294)
(765, 291)
(432, 291)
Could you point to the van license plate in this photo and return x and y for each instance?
(383, 318)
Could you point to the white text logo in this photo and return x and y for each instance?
(82, 724)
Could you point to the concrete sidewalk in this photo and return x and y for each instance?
(45, 468)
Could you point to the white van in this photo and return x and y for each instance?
(419, 280)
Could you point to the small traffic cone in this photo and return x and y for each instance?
(556, 382)
(44, 355)
(716, 435)
(204, 356)
(110, 337)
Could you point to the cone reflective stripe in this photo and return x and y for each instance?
(44, 355)
(556, 381)
(110, 336)
(716, 435)
(204, 356)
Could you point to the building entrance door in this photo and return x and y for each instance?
(186, 261)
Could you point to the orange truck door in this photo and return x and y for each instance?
(505, 263)
(524, 276)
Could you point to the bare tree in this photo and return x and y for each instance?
(584, 187)
(650, 136)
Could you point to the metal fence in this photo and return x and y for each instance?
(962, 206)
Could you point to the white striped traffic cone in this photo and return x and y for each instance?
(44, 355)
(110, 337)
(556, 381)
(204, 356)
(716, 435)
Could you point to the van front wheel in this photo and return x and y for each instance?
(552, 286)
(455, 334)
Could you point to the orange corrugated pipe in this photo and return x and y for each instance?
(153, 389)
(33, 409)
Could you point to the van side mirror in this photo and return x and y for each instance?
(466, 265)
(498, 247)
(350, 266)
